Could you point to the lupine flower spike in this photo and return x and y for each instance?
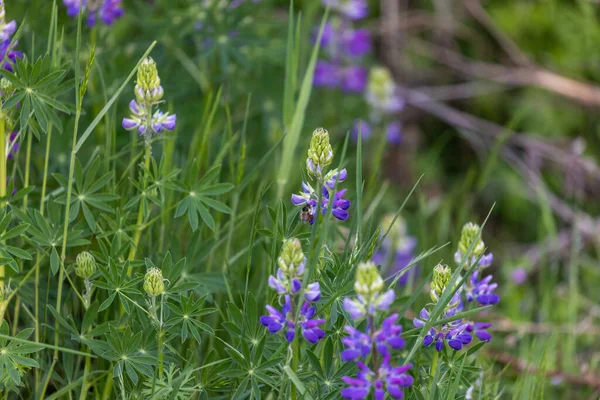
(288, 284)
(320, 156)
(148, 93)
(380, 378)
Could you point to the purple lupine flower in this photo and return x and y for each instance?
(480, 330)
(277, 320)
(353, 79)
(357, 42)
(519, 276)
(389, 336)
(108, 11)
(361, 306)
(361, 127)
(312, 292)
(482, 290)
(387, 379)
(288, 282)
(358, 344)
(335, 177)
(326, 75)
(340, 205)
(485, 261)
(308, 197)
(309, 326)
(454, 333)
(393, 133)
(351, 9)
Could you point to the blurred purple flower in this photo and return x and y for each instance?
(108, 11)
(360, 306)
(519, 276)
(363, 127)
(357, 42)
(326, 75)
(353, 79)
(394, 133)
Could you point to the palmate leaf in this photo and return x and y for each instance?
(197, 202)
(85, 196)
(36, 85)
(124, 349)
(8, 252)
(185, 317)
(115, 280)
(13, 355)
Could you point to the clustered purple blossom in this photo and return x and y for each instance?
(344, 47)
(320, 156)
(288, 284)
(8, 55)
(478, 290)
(108, 11)
(148, 93)
(375, 342)
(309, 198)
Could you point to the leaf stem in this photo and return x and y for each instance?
(140, 217)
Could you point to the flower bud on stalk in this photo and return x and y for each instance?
(320, 153)
(85, 265)
(154, 283)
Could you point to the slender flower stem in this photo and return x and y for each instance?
(38, 257)
(27, 169)
(160, 339)
(433, 368)
(3, 303)
(296, 349)
(140, 217)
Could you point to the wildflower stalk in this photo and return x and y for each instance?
(38, 257)
(27, 170)
(140, 217)
(3, 303)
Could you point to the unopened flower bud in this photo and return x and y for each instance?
(291, 259)
(442, 274)
(85, 265)
(320, 153)
(468, 235)
(153, 282)
(368, 281)
(148, 89)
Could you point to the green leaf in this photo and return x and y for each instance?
(54, 261)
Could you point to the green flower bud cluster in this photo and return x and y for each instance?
(368, 282)
(147, 88)
(320, 153)
(442, 274)
(85, 265)
(154, 282)
(380, 81)
(468, 235)
(291, 259)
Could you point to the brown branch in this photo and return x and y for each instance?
(585, 93)
(523, 366)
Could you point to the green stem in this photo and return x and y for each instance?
(433, 367)
(3, 303)
(38, 258)
(27, 169)
(160, 340)
(140, 217)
